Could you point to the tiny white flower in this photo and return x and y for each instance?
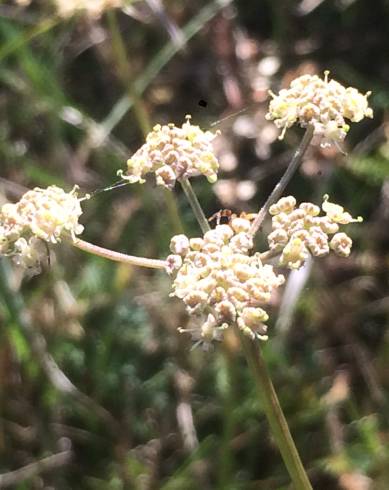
(321, 103)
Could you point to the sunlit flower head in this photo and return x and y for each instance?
(41, 215)
(218, 280)
(300, 231)
(171, 153)
(325, 104)
(92, 8)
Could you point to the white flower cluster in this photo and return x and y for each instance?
(172, 153)
(325, 104)
(92, 8)
(300, 231)
(217, 278)
(41, 215)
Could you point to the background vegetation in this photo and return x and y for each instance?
(98, 390)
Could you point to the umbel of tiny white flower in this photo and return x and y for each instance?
(298, 232)
(41, 215)
(171, 153)
(324, 104)
(92, 8)
(218, 280)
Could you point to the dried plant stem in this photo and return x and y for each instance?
(194, 202)
(117, 256)
(274, 414)
(49, 463)
(279, 188)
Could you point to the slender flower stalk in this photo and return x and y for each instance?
(269, 254)
(194, 202)
(285, 179)
(117, 256)
(274, 414)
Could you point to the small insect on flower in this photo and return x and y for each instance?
(218, 277)
(219, 215)
(229, 215)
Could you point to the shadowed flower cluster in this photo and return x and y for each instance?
(324, 104)
(41, 215)
(300, 231)
(218, 279)
(173, 153)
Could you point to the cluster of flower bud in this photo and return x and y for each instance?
(324, 104)
(173, 153)
(41, 215)
(217, 278)
(300, 231)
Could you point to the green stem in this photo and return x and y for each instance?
(117, 256)
(279, 188)
(226, 462)
(194, 202)
(274, 414)
(172, 209)
(124, 72)
(269, 254)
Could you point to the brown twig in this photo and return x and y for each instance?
(29, 471)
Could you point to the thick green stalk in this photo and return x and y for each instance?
(274, 414)
(289, 172)
(194, 202)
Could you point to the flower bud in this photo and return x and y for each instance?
(179, 244)
(341, 244)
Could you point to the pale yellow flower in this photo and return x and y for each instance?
(41, 215)
(325, 104)
(171, 153)
(300, 231)
(217, 279)
(91, 8)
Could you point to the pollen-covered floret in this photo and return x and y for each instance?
(41, 215)
(298, 232)
(171, 153)
(324, 104)
(217, 279)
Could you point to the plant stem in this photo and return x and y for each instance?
(124, 71)
(117, 256)
(269, 254)
(279, 188)
(226, 463)
(274, 414)
(172, 210)
(194, 202)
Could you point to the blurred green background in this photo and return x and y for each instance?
(98, 390)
